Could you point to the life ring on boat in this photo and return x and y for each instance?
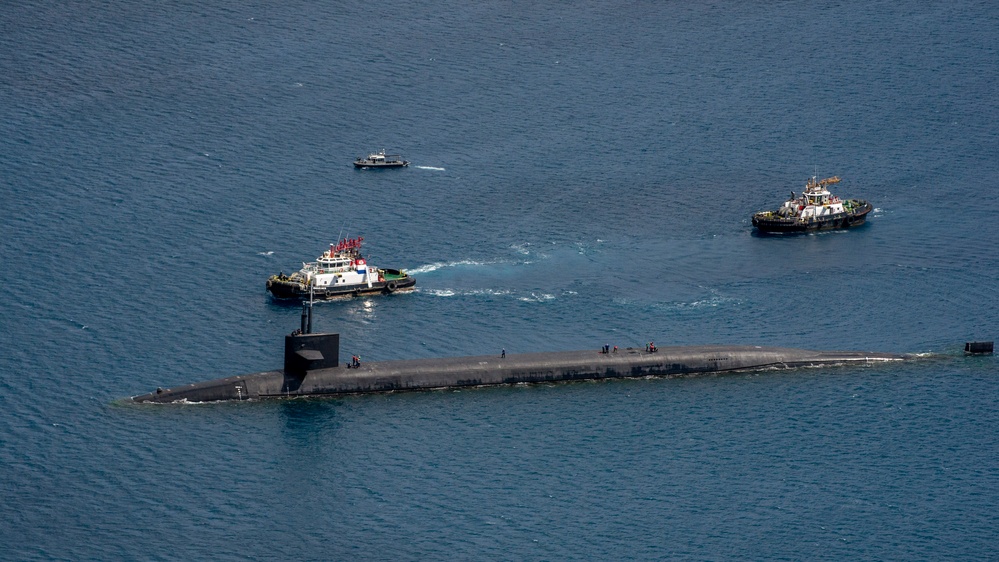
(391, 286)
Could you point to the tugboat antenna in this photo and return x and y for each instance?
(340, 235)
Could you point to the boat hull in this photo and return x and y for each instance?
(366, 164)
(288, 289)
(770, 222)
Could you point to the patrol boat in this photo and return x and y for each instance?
(340, 272)
(815, 209)
(380, 160)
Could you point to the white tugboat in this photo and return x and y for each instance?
(815, 209)
(340, 272)
(381, 160)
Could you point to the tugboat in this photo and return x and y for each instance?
(340, 272)
(815, 209)
(381, 160)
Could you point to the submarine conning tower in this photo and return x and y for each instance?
(305, 351)
(308, 352)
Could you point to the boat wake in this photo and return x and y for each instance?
(528, 249)
(466, 292)
(440, 292)
(271, 253)
(537, 297)
(527, 297)
(696, 305)
(429, 168)
(442, 265)
(696, 301)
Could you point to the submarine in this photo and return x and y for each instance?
(312, 367)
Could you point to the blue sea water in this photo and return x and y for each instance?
(583, 173)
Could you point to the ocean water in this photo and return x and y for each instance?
(582, 173)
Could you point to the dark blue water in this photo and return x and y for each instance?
(582, 174)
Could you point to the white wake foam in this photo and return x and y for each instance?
(537, 297)
(441, 265)
(487, 293)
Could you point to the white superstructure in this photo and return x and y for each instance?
(340, 266)
(815, 202)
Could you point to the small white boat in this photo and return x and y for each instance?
(381, 160)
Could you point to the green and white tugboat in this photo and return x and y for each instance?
(815, 209)
(340, 272)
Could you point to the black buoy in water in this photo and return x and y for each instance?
(978, 347)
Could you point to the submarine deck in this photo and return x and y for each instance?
(456, 372)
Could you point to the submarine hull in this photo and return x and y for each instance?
(457, 372)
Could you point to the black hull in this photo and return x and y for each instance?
(773, 224)
(291, 290)
(388, 165)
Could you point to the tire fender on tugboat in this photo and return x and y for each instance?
(391, 286)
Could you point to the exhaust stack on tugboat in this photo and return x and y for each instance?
(815, 209)
(340, 272)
